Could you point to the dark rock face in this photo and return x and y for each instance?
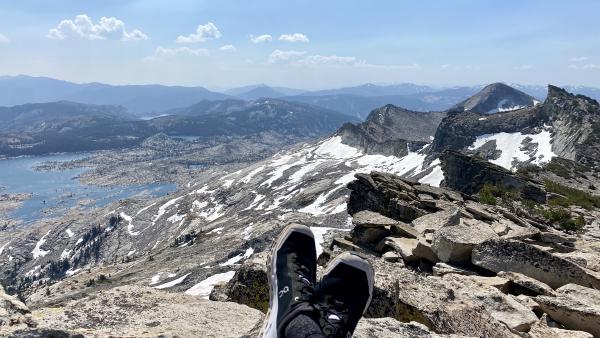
(391, 130)
(250, 284)
(468, 175)
(460, 129)
(494, 98)
(383, 193)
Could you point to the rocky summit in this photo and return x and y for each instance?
(491, 232)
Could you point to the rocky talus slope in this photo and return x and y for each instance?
(454, 266)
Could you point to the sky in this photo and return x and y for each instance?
(306, 44)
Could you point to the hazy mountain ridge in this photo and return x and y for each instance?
(67, 127)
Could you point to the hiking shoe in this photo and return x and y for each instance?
(344, 294)
(292, 276)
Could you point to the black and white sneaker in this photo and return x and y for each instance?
(344, 294)
(292, 276)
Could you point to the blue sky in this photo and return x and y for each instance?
(305, 44)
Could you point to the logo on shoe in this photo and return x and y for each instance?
(283, 291)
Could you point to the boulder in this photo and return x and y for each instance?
(404, 230)
(504, 255)
(443, 306)
(479, 211)
(431, 222)
(392, 257)
(344, 244)
(371, 237)
(391, 328)
(411, 249)
(455, 243)
(526, 284)
(486, 291)
(368, 219)
(554, 237)
(543, 329)
(576, 307)
(440, 269)
(250, 284)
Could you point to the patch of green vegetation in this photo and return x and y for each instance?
(490, 193)
(486, 194)
(529, 170)
(562, 217)
(571, 196)
(559, 169)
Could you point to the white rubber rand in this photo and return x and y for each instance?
(269, 328)
(357, 262)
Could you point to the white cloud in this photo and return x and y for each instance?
(578, 59)
(203, 33)
(284, 55)
(523, 67)
(296, 37)
(261, 38)
(299, 58)
(228, 48)
(586, 66)
(84, 27)
(162, 53)
(3, 39)
(329, 60)
(444, 66)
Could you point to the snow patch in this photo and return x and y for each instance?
(69, 233)
(37, 251)
(236, 259)
(172, 283)
(129, 221)
(205, 287)
(163, 208)
(511, 147)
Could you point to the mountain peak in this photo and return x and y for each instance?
(554, 91)
(494, 98)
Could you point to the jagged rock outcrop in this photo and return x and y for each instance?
(469, 174)
(391, 130)
(576, 121)
(506, 255)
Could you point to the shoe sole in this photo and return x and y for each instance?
(356, 261)
(269, 328)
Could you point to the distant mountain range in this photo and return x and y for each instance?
(138, 99)
(155, 100)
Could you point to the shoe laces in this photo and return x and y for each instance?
(307, 289)
(333, 317)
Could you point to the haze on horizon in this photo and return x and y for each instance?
(303, 44)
